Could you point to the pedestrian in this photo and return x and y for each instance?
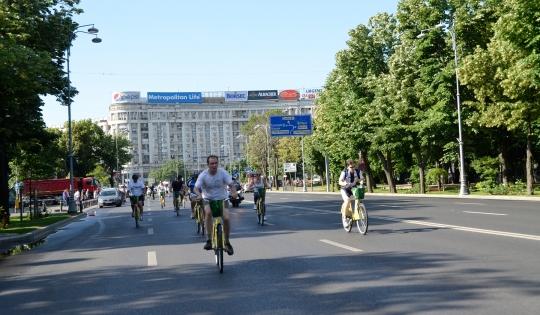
(77, 197)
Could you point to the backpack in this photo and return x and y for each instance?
(348, 175)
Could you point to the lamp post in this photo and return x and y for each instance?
(463, 189)
(93, 31)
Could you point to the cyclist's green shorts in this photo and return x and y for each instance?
(261, 191)
(216, 206)
(134, 199)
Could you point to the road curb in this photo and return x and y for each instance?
(9, 242)
(516, 198)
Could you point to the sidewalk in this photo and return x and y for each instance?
(493, 197)
(9, 241)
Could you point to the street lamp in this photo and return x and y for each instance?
(463, 189)
(92, 31)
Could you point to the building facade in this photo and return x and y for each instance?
(189, 127)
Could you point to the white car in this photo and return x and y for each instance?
(110, 197)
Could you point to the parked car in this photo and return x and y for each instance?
(110, 197)
(316, 180)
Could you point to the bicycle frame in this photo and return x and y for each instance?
(359, 215)
(218, 238)
(261, 206)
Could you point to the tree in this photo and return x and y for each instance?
(88, 139)
(40, 158)
(34, 35)
(504, 75)
(113, 152)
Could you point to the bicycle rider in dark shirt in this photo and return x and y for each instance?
(178, 188)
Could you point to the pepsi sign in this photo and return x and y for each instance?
(126, 97)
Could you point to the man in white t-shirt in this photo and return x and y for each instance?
(212, 185)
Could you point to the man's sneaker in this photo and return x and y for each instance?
(208, 245)
(229, 249)
(254, 207)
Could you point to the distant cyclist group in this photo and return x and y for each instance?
(213, 187)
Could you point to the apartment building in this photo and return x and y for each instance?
(189, 126)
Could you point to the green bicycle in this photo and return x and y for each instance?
(359, 213)
(261, 206)
(218, 239)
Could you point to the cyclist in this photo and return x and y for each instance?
(178, 192)
(212, 184)
(191, 185)
(255, 181)
(161, 191)
(349, 178)
(153, 191)
(136, 193)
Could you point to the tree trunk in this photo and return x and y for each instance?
(530, 175)
(111, 178)
(388, 170)
(365, 168)
(4, 175)
(503, 159)
(421, 173)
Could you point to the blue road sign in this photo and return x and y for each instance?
(290, 126)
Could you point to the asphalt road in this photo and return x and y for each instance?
(421, 255)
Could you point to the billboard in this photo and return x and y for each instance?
(126, 97)
(174, 97)
(310, 94)
(289, 95)
(236, 96)
(289, 167)
(263, 95)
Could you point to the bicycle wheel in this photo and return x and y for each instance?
(219, 249)
(198, 220)
(259, 216)
(263, 212)
(347, 223)
(137, 215)
(362, 224)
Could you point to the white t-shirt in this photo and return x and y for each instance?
(136, 188)
(214, 187)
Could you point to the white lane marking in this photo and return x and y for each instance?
(284, 198)
(152, 259)
(470, 203)
(490, 213)
(352, 249)
(308, 200)
(463, 228)
(150, 231)
(390, 206)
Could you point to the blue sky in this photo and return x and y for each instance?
(192, 46)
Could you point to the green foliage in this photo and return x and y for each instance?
(487, 168)
(491, 187)
(435, 175)
(167, 172)
(101, 175)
